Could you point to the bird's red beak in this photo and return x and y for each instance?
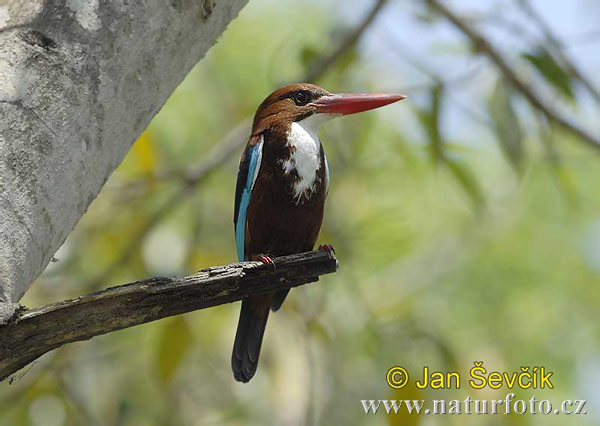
(346, 103)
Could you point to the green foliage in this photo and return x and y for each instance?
(308, 54)
(467, 180)
(554, 74)
(430, 121)
(506, 124)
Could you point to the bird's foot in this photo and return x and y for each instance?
(265, 259)
(328, 248)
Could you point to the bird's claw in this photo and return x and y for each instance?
(328, 248)
(266, 260)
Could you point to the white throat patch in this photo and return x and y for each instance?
(306, 155)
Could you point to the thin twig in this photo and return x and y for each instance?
(485, 47)
(194, 174)
(317, 70)
(557, 48)
(405, 52)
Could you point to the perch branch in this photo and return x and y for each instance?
(33, 332)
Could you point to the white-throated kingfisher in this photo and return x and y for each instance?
(282, 183)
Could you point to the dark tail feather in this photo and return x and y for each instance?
(278, 299)
(249, 336)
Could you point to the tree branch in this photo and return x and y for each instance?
(557, 48)
(33, 332)
(317, 70)
(485, 47)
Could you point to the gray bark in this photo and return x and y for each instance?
(79, 82)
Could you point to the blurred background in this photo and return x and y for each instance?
(466, 220)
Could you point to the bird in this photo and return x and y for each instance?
(282, 184)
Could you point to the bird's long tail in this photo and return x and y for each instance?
(249, 336)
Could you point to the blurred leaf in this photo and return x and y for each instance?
(506, 124)
(430, 121)
(318, 330)
(308, 54)
(567, 184)
(561, 171)
(145, 153)
(465, 178)
(173, 343)
(551, 71)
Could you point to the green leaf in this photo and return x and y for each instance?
(561, 171)
(173, 343)
(430, 121)
(467, 180)
(506, 124)
(308, 54)
(551, 71)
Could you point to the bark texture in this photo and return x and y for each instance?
(32, 332)
(79, 82)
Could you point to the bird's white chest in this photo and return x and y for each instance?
(305, 158)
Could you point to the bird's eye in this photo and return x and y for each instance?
(300, 98)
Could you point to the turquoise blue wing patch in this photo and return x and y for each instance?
(247, 174)
(326, 176)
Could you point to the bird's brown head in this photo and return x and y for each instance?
(297, 102)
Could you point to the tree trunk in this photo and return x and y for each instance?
(79, 81)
